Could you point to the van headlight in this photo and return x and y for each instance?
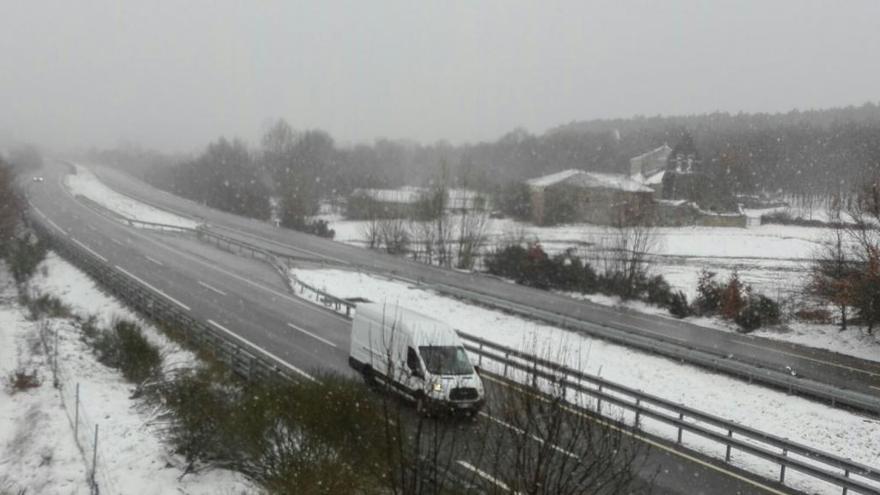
(438, 387)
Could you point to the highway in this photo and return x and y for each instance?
(837, 370)
(248, 300)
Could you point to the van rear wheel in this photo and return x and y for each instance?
(422, 406)
(367, 375)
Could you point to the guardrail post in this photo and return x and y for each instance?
(95, 457)
(506, 359)
(599, 403)
(727, 455)
(76, 415)
(845, 475)
(782, 467)
(680, 418)
(638, 413)
(480, 359)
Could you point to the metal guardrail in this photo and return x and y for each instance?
(249, 363)
(656, 344)
(843, 473)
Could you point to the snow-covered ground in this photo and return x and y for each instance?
(773, 258)
(829, 429)
(85, 183)
(854, 341)
(132, 459)
(37, 450)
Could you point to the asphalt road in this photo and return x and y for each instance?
(835, 369)
(247, 298)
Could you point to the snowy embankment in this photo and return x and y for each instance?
(85, 183)
(854, 341)
(804, 421)
(132, 458)
(37, 450)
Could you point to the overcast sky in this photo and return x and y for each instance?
(174, 75)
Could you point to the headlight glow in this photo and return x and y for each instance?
(438, 387)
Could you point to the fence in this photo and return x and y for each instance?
(86, 430)
(505, 362)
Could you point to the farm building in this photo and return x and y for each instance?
(579, 196)
(649, 168)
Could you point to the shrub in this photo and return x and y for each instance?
(20, 380)
(659, 292)
(23, 256)
(124, 347)
(45, 305)
(708, 294)
(731, 301)
(759, 311)
(678, 305)
(814, 315)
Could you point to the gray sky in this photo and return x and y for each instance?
(174, 75)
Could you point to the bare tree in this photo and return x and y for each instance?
(633, 241)
(472, 226)
(394, 235)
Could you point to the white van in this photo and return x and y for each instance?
(420, 357)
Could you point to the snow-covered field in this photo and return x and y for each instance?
(773, 258)
(85, 183)
(829, 429)
(132, 459)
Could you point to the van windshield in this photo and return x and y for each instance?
(446, 360)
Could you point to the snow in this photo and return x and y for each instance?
(132, 459)
(85, 183)
(37, 450)
(814, 424)
(589, 180)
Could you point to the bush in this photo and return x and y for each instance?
(45, 305)
(659, 292)
(708, 294)
(23, 255)
(814, 315)
(759, 311)
(678, 305)
(20, 380)
(124, 347)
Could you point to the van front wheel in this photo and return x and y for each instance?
(421, 405)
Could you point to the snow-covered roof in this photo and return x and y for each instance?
(403, 196)
(549, 180)
(665, 149)
(593, 180)
(651, 180)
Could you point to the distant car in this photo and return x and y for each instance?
(38, 179)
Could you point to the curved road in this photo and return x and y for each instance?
(248, 299)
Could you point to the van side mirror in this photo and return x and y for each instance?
(477, 369)
(416, 371)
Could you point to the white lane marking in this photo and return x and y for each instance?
(534, 437)
(114, 241)
(53, 224)
(801, 356)
(483, 474)
(166, 296)
(310, 334)
(92, 227)
(652, 442)
(294, 300)
(272, 291)
(260, 349)
(218, 291)
(154, 260)
(94, 253)
(875, 388)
